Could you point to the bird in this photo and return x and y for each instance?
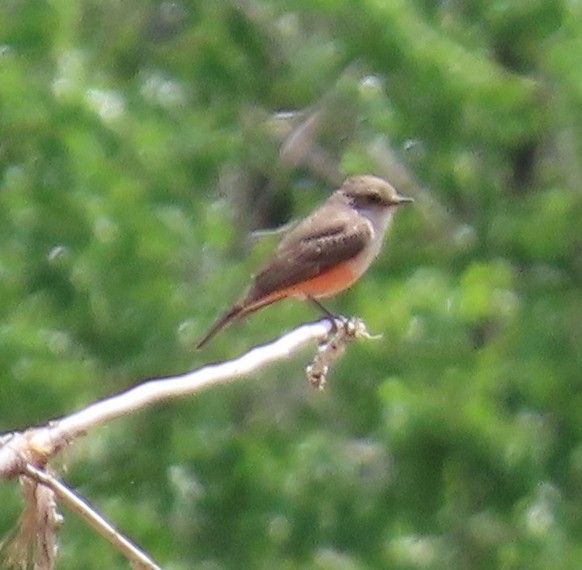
(326, 252)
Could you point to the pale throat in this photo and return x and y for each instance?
(380, 220)
(380, 217)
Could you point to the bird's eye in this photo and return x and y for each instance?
(375, 199)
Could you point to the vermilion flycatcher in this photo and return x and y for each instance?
(326, 252)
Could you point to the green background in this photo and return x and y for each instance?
(139, 147)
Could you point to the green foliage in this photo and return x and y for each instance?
(128, 130)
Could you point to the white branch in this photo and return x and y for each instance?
(38, 445)
(26, 454)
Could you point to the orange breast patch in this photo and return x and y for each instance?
(326, 284)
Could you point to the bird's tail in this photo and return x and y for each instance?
(231, 315)
(238, 311)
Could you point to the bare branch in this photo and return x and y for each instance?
(26, 454)
(37, 445)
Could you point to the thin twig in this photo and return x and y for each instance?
(96, 521)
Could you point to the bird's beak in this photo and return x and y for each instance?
(401, 200)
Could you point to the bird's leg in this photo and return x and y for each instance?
(321, 308)
(336, 320)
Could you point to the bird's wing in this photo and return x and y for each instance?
(304, 254)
